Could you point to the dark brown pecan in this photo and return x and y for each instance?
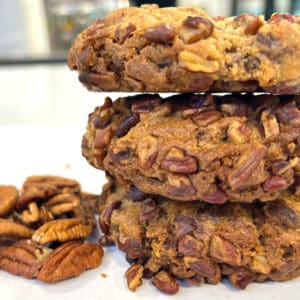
(207, 117)
(278, 17)
(8, 199)
(274, 183)
(133, 248)
(145, 104)
(184, 225)
(283, 213)
(165, 283)
(104, 219)
(246, 165)
(176, 164)
(201, 266)
(224, 251)
(103, 137)
(69, 260)
(250, 23)
(161, 33)
(121, 34)
(149, 210)
(240, 279)
(189, 246)
(195, 29)
(147, 150)
(23, 258)
(134, 276)
(136, 194)
(126, 124)
(218, 197)
(288, 113)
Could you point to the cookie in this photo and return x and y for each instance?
(189, 146)
(184, 50)
(198, 242)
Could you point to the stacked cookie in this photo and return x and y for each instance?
(200, 185)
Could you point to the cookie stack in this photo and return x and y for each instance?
(201, 185)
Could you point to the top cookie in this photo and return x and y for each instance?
(184, 50)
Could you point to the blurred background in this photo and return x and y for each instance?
(42, 30)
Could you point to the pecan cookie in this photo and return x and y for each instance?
(198, 242)
(189, 146)
(184, 50)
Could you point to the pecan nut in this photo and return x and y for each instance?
(149, 210)
(69, 260)
(249, 23)
(240, 279)
(63, 203)
(202, 267)
(147, 150)
(270, 124)
(126, 124)
(145, 104)
(34, 214)
(165, 282)
(184, 225)
(104, 219)
(179, 186)
(62, 230)
(161, 33)
(23, 258)
(134, 276)
(12, 229)
(246, 165)
(238, 132)
(195, 63)
(224, 251)
(103, 137)
(195, 29)
(176, 162)
(8, 199)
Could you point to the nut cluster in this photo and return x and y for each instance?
(43, 227)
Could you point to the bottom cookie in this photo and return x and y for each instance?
(196, 242)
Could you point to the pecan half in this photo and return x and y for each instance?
(224, 251)
(246, 165)
(62, 230)
(145, 104)
(190, 246)
(63, 203)
(165, 282)
(250, 23)
(274, 183)
(161, 33)
(69, 260)
(23, 258)
(134, 276)
(121, 34)
(8, 199)
(147, 149)
(103, 137)
(149, 210)
(12, 229)
(176, 162)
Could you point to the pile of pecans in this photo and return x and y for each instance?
(43, 227)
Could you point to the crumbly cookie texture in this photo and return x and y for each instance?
(191, 146)
(184, 50)
(198, 242)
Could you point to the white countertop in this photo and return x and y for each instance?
(43, 114)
